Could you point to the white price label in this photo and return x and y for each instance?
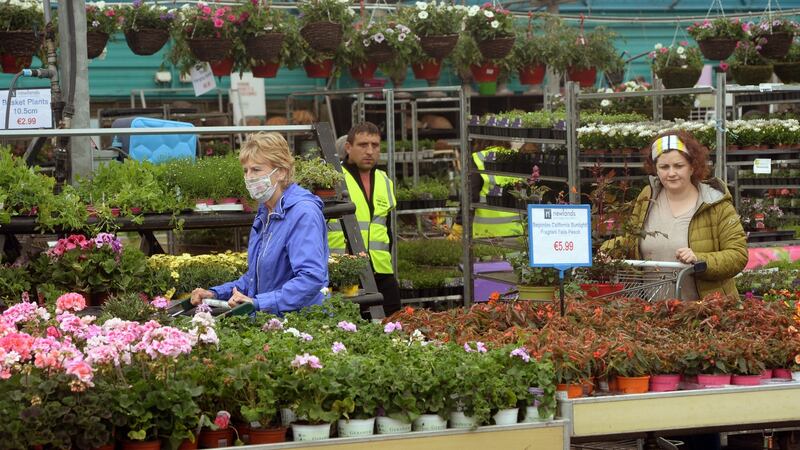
(765, 87)
(30, 108)
(202, 78)
(762, 166)
(559, 235)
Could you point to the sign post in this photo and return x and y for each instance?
(560, 236)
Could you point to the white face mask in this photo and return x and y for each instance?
(262, 188)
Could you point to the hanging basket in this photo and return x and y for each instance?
(717, 49)
(323, 69)
(485, 73)
(222, 68)
(364, 71)
(496, 48)
(146, 41)
(210, 49)
(751, 75)
(585, 77)
(19, 43)
(379, 53)
(95, 43)
(438, 46)
(787, 72)
(777, 45)
(266, 70)
(679, 77)
(532, 75)
(323, 36)
(266, 47)
(428, 70)
(15, 64)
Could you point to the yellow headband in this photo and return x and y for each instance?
(666, 143)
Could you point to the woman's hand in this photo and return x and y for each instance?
(686, 255)
(238, 298)
(199, 294)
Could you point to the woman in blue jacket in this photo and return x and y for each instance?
(287, 253)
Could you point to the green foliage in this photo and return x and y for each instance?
(145, 16)
(680, 55)
(595, 49)
(103, 19)
(326, 10)
(489, 22)
(344, 270)
(129, 306)
(13, 282)
(316, 173)
(426, 189)
(22, 15)
(746, 54)
(215, 178)
(430, 252)
(532, 276)
(433, 19)
(719, 28)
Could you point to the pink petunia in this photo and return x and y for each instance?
(218, 23)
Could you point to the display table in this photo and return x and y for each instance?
(737, 407)
(546, 435)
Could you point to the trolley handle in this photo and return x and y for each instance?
(698, 267)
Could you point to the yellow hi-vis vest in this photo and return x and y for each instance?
(374, 231)
(487, 222)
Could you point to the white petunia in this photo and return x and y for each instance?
(401, 37)
(605, 103)
(378, 37)
(680, 50)
(473, 10)
(100, 5)
(422, 6)
(495, 24)
(423, 15)
(658, 46)
(488, 14)
(389, 31)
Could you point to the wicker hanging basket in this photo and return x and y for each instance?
(679, 77)
(777, 45)
(751, 75)
(379, 53)
(717, 49)
(497, 48)
(438, 46)
(210, 49)
(266, 47)
(787, 72)
(146, 41)
(19, 43)
(95, 43)
(322, 36)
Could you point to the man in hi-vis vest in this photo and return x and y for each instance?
(372, 192)
(487, 222)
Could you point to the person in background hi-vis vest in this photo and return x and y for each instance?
(372, 192)
(487, 222)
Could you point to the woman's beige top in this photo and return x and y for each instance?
(673, 233)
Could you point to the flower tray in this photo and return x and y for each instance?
(95, 43)
(266, 47)
(322, 36)
(438, 46)
(146, 41)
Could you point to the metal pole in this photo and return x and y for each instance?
(719, 165)
(414, 142)
(658, 110)
(573, 118)
(466, 225)
(388, 95)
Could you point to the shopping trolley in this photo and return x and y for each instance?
(649, 280)
(219, 308)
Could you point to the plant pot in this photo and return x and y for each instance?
(787, 72)
(323, 69)
(506, 416)
(679, 77)
(222, 68)
(141, 445)
(485, 72)
(210, 49)
(746, 380)
(796, 375)
(717, 49)
(535, 292)
(267, 435)
(460, 420)
(19, 43)
(487, 88)
(187, 444)
(497, 48)
(777, 45)
(633, 385)
(266, 70)
(322, 36)
(111, 447)
(713, 380)
(572, 390)
(585, 77)
(782, 373)
(751, 75)
(427, 70)
(532, 75)
(438, 46)
(532, 415)
(95, 43)
(15, 64)
(306, 433)
(349, 290)
(215, 438)
(664, 383)
(600, 289)
(356, 427)
(364, 71)
(387, 425)
(266, 47)
(429, 422)
(325, 193)
(766, 374)
(228, 201)
(146, 41)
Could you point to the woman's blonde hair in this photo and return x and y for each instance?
(269, 148)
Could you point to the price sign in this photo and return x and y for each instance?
(559, 236)
(202, 78)
(762, 165)
(30, 108)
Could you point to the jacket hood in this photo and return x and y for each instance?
(712, 191)
(291, 196)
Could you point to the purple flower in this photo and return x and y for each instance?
(137, 3)
(160, 303)
(202, 307)
(481, 347)
(306, 337)
(347, 326)
(273, 324)
(109, 239)
(521, 353)
(306, 360)
(338, 347)
(467, 348)
(392, 326)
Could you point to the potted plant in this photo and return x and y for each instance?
(535, 283)
(146, 26)
(492, 28)
(358, 376)
(263, 32)
(313, 391)
(678, 66)
(21, 23)
(747, 65)
(208, 31)
(101, 22)
(344, 271)
(582, 56)
(788, 67)
(322, 23)
(318, 176)
(775, 35)
(631, 362)
(437, 25)
(530, 54)
(717, 38)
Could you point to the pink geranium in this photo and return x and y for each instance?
(70, 302)
(222, 420)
